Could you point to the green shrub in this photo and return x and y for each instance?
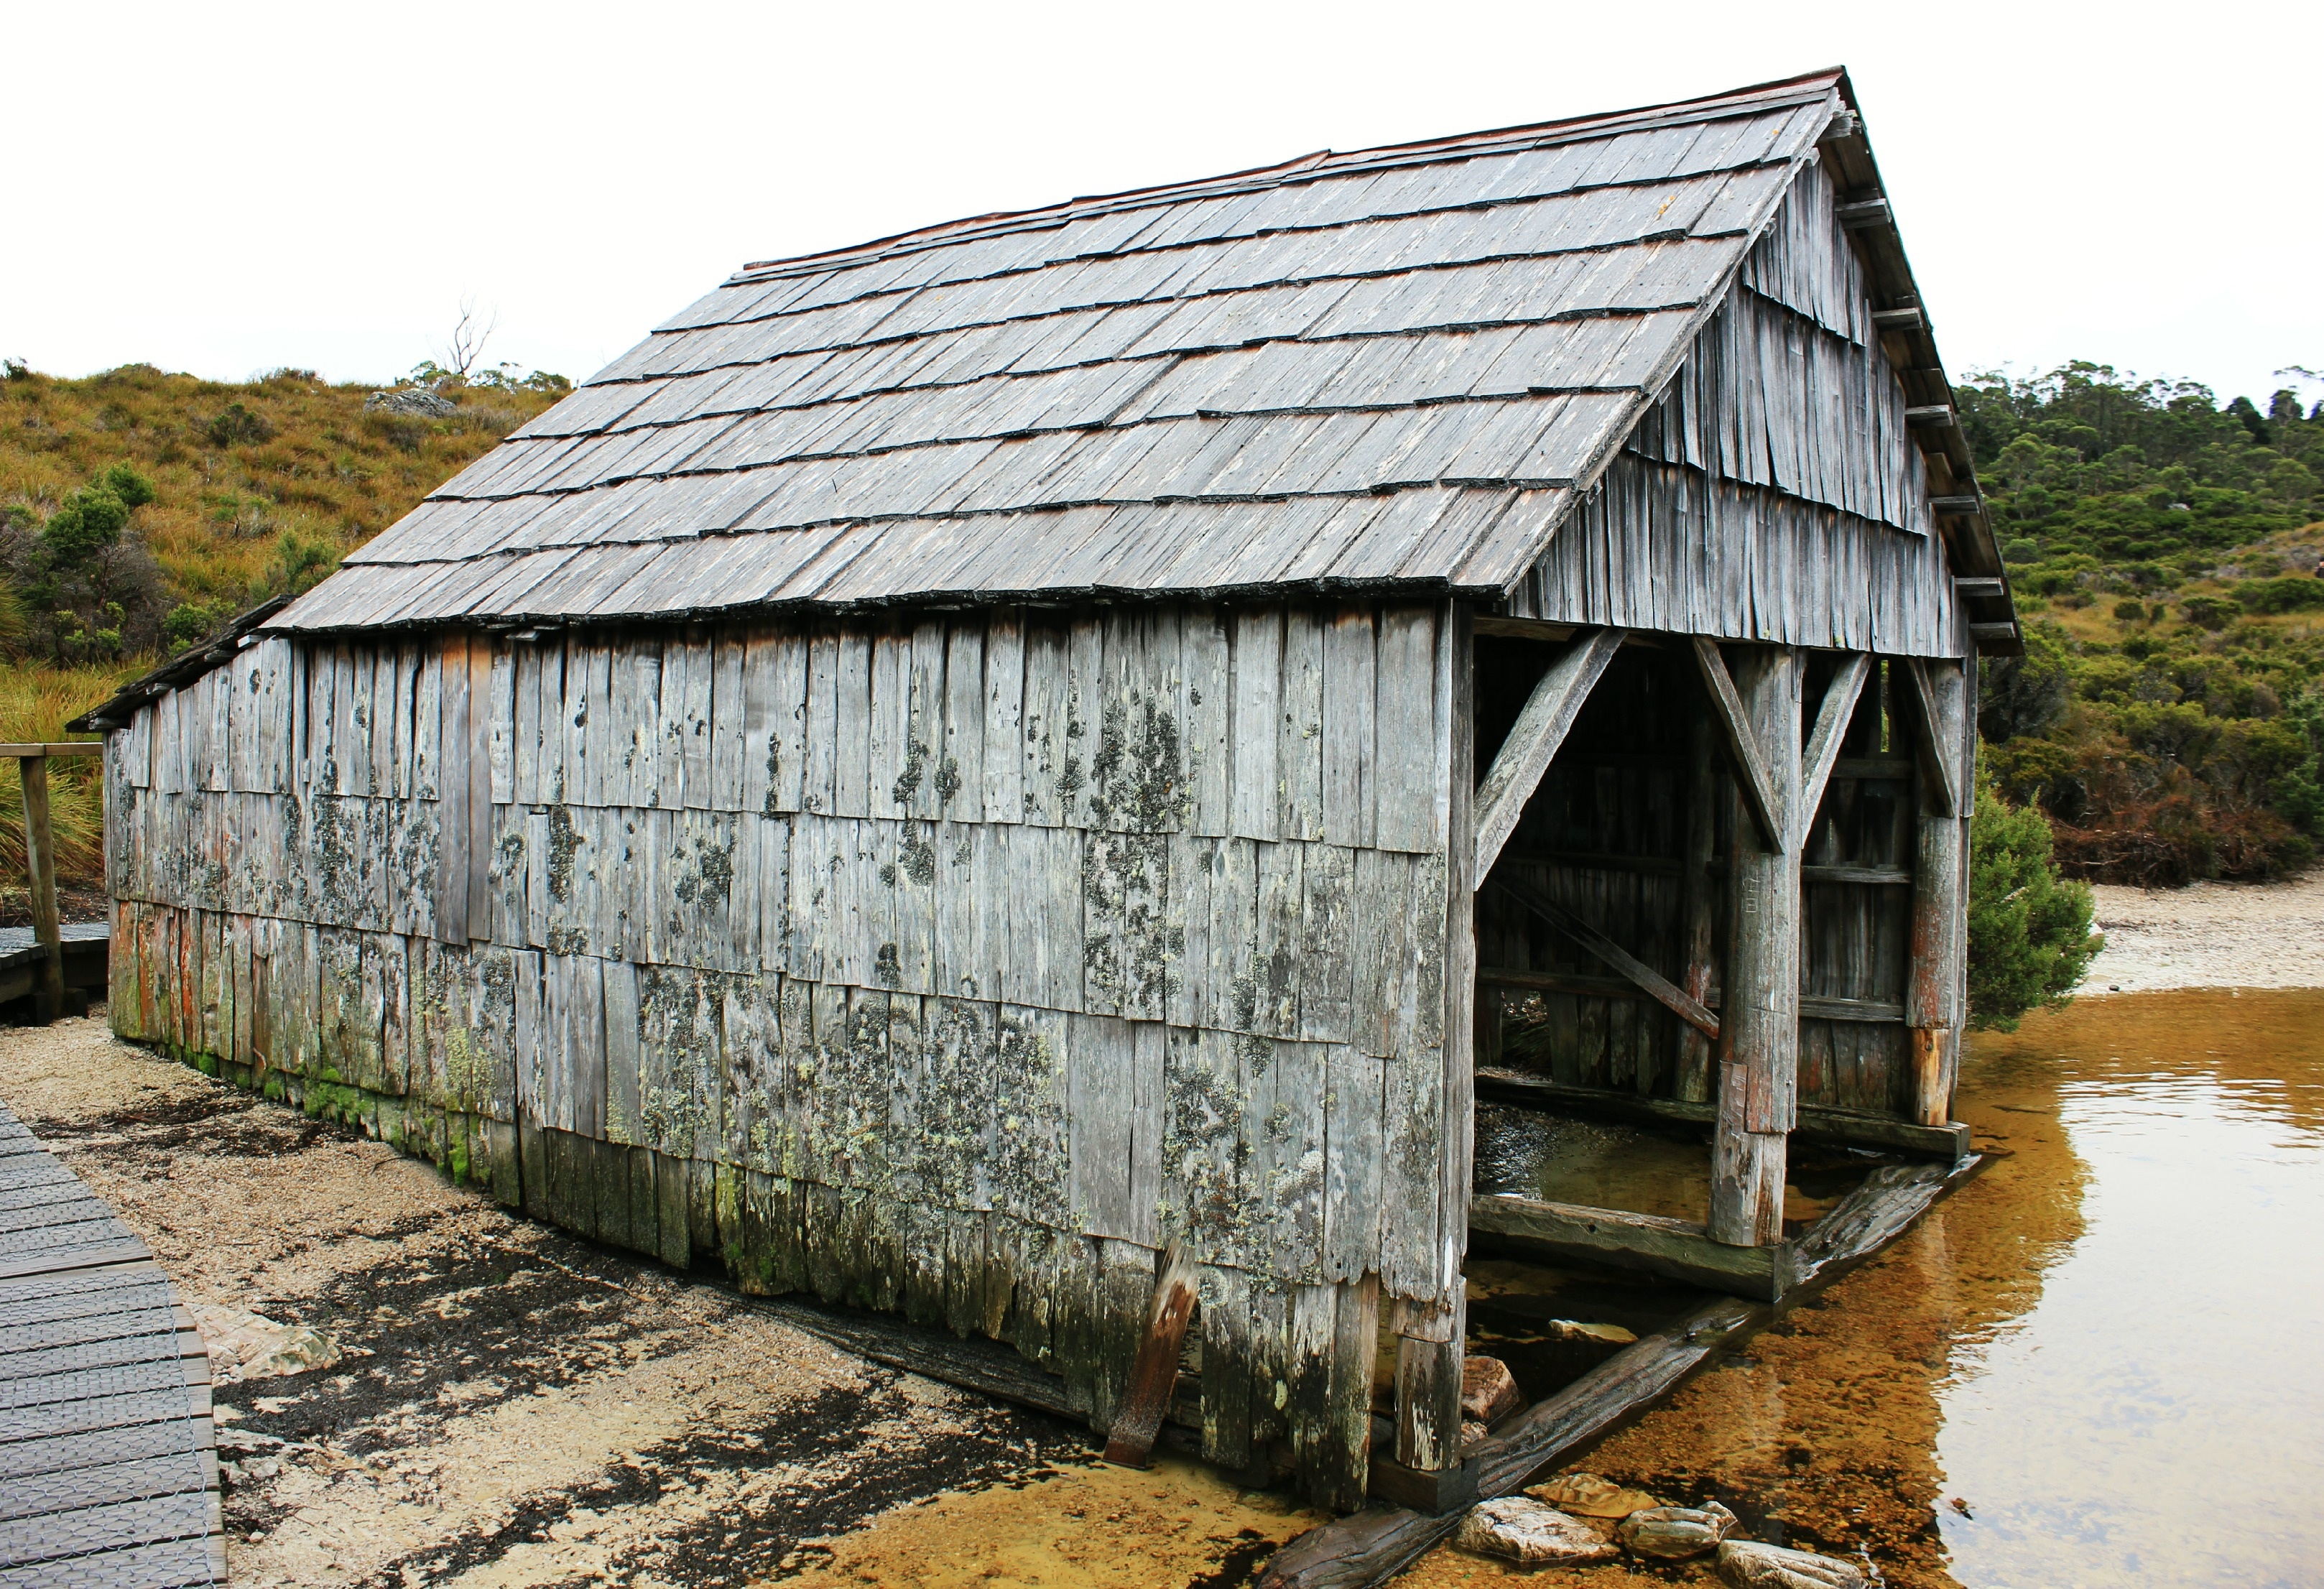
(2294, 595)
(2029, 932)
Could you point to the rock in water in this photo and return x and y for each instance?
(1745, 1565)
(1675, 1532)
(1488, 1389)
(1531, 1535)
(1589, 1496)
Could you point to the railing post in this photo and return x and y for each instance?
(40, 864)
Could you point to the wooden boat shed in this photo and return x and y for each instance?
(958, 765)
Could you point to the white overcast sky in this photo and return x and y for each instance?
(227, 188)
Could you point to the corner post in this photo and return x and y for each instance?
(1759, 1015)
(40, 864)
(1932, 990)
(1699, 900)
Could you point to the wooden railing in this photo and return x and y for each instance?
(40, 864)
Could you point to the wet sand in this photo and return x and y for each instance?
(2210, 935)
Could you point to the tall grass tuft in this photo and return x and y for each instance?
(36, 702)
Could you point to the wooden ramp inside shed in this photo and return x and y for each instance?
(108, 1466)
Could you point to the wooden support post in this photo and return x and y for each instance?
(1933, 1010)
(1153, 1378)
(1759, 1007)
(1697, 900)
(41, 867)
(1430, 1343)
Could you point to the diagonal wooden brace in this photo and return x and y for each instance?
(1650, 981)
(1540, 729)
(1831, 727)
(1759, 796)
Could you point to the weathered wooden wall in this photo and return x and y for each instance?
(951, 964)
(1774, 494)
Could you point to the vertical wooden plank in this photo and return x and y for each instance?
(960, 773)
(730, 723)
(1456, 779)
(1932, 991)
(1207, 663)
(1148, 1123)
(1326, 965)
(1002, 787)
(1759, 1040)
(1256, 798)
(1408, 804)
(1047, 745)
(1353, 1096)
(451, 892)
(1299, 753)
(499, 740)
(821, 732)
(481, 664)
(694, 718)
(863, 748)
(1100, 1123)
(1349, 690)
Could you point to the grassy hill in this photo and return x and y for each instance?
(256, 488)
(2169, 712)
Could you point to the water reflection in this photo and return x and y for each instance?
(2103, 1348)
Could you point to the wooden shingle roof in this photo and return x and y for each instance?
(1393, 369)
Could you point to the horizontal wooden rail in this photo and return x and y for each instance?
(1950, 1142)
(62, 747)
(1872, 1011)
(1673, 1248)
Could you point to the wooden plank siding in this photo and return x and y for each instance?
(1025, 941)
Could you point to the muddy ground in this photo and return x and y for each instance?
(497, 1403)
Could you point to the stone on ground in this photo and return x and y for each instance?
(1488, 1389)
(1589, 1496)
(1675, 1532)
(1531, 1535)
(1747, 1565)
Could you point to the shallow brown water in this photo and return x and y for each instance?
(2104, 1348)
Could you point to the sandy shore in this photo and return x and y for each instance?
(2210, 935)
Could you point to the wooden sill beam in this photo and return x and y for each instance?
(1673, 1248)
(1869, 1010)
(68, 747)
(1526, 754)
(1949, 1142)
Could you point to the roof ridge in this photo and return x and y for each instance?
(1799, 90)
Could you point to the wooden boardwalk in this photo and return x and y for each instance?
(108, 1467)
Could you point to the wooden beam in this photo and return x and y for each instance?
(60, 747)
(1759, 1018)
(1882, 875)
(1525, 755)
(1758, 788)
(41, 865)
(1130, 1439)
(1978, 585)
(1958, 507)
(1873, 767)
(1860, 213)
(1674, 1248)
(1430, 1343)
(1949, 1142)
(1832, 718)
(1660, 865)
(1657, 986)
(1931, 415)
(1878, 1211)
(1928, 729)
(1898, 319)
(1812, 1007)
(1523, 629)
